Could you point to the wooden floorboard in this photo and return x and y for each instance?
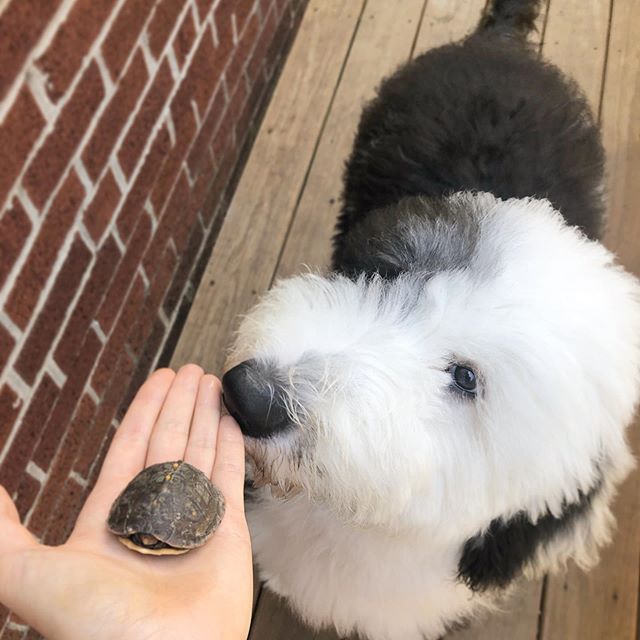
(282, 215)
(245, 254)
(604, 603)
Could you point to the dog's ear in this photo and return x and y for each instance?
(495, 557)
(422, 234)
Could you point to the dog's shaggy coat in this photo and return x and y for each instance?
(446, 409)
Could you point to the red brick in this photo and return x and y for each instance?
(53, 489)
(242, 9)
(21, 24)
(26, 494)
(188, 218)
(49, 321)
(259, 54)
(62, 465)
(63, 521)
(29, 429)
(10, 405)
(199, 193)
(223, 138)
(115, 116)
(188, 257)
(147, 116)
(36, 270)
(184, 38)
(6, 346)
(19, 131)
(162, 24)
(94, 289)
(201, 143)
(224, 27)
(67, 400)
(123, 34)
(114, 348)
(15, 227)
(62, 60)
(134, 203)
(205, 68)
(143, 366)
(171, 216)
(103, 206)
(185, 130)
(241, 53)
(124, 276)
(53, 157)
(159, 285)
(204, 6)
(244, 118)
(220, 183)
(94, 438)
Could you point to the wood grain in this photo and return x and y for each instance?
(576, 40)
(447, 20)
(383, 42)
(603, 604)
(245, 255)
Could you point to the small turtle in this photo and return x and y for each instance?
(167, 509)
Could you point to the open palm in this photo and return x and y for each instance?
(92, 586)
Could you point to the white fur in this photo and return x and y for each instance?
(389, 470)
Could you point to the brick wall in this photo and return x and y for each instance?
(122, 128)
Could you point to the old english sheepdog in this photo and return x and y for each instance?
(445, 410)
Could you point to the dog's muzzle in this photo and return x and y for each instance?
(255, 400)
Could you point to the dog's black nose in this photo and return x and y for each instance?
(255, 400)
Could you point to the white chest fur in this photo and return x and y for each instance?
(388, 587)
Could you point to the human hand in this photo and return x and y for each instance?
(94, 587)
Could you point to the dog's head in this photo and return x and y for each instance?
(477, 358)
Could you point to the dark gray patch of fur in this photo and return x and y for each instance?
(429, 235)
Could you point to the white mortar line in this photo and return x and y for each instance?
(90, 391)
(170, 128)
(150, 62)
(74, 475)
(143, 275)
(13, 329)
(122, 247)
(36, 472)
(58, 376)
(37, 81)
(118, 174)
(109, 85)
(102, 336)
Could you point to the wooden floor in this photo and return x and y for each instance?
(287, 199)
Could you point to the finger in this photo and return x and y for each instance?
(171, 431)
(201, 446)
(228, 468)
(128, 450)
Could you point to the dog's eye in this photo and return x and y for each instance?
(465, 379)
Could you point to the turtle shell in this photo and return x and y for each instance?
(167, 508)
